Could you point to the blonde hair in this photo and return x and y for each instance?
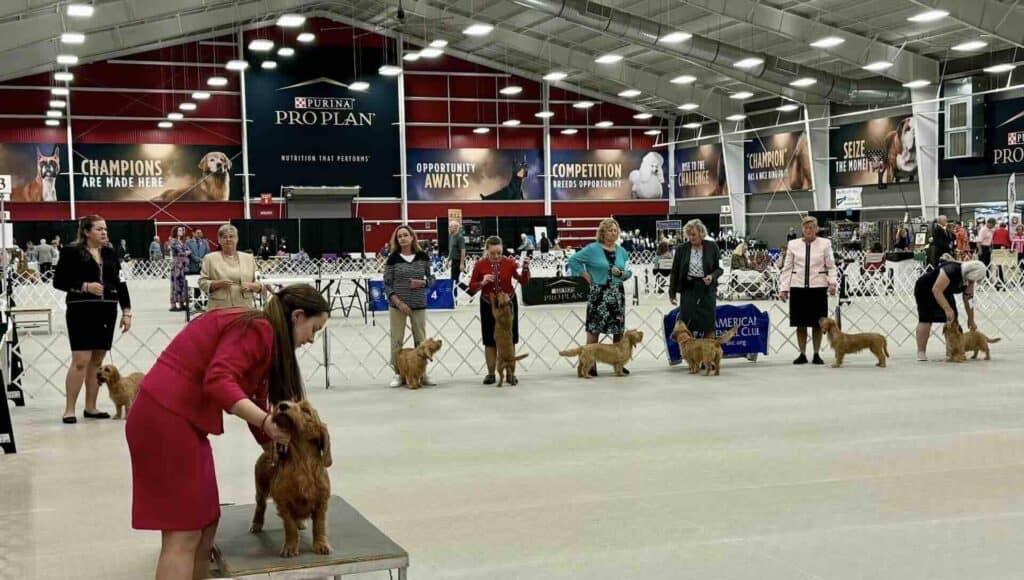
(395, 248)
(699, 225)
(602, 229)
(741, 249)
(809, 220)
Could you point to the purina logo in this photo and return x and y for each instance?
(322, 111)
(324, 103)
(1016, 138)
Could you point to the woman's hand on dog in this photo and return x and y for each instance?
(276, 433)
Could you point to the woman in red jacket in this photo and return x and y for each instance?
(230, 360)
(492, 274)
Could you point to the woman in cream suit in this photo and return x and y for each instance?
(228, 277)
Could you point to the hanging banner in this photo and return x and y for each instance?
(308, 128)
(474, 175)
(779, 162)
(612, 174)
(700, 172)
(875, 152)
(38, 171)
(157, 172)
(1004, 143)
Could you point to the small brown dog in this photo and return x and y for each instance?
(501, 306)
(701, 351)
(412, 362)
(845, 344)
(295, 477)
(615, 354)
(122, 389)
(966, 341)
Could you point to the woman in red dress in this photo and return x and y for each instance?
(232, 360)
(492, 274)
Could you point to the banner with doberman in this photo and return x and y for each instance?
(475, 175)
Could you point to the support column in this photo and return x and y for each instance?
(926, 137)
(246, 202)
(672, 177)
(71, 159)
(402, 157)
(732, 157)
(816, 123)
(546, 105)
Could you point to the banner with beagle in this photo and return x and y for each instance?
(38, 171)
(700, 171)
(777, 163)
(162, 173)
(608, 174)
(475, 175)
(874, 152)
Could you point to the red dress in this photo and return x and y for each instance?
(205, 370)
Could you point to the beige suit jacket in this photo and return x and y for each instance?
(215, 267)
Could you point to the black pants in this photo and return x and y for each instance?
(45, 270)
(985, 255)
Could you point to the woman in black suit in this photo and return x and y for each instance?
(695, 273)
(90, 273)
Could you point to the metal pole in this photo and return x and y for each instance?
(546, 99)
(672, 166)
(71, 160)
(402, 156)
(245, 133)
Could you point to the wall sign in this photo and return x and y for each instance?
(308, 128)
(616, 174)
(700, 171)
(874, 152)
(1004, 143)
(35, 171)
(779, 162)
(474, 175)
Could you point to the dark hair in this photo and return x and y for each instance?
(285, 380)
(493, 241)
(85, 225)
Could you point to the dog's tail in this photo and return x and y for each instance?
(571, 351)
(725, 338)
(885, 349)
(522, 356)
(992, 340)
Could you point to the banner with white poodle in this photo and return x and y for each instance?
(608, 174)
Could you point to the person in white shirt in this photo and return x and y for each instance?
(985, 241)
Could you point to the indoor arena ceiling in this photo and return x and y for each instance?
(534, 37)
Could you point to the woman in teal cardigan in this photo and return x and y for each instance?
(603, 265)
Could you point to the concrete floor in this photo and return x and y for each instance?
(767, 472)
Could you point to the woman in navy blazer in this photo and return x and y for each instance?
(695, 273)
(603, 265)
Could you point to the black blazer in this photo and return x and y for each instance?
(76, 267)
(681, 266)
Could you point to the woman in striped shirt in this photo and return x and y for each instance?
(407, 276)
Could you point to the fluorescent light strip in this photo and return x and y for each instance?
(736, 117)
(642, 116)
(693, 125)
(268, 64)
(511, 90)
(544, 114)
(67, 59)
(828, 42)
(804, 82)
(652, 132)
(431, 52)
(56, 104)
(555, 76)
(59, 92)
(750, 62)
(54, 114)
(603, 124)
(608, 58)
(917, 84)
(675, 37)
(478, 29)
(80, 10)
(237, 64)
(359, 86)
(583, 105)
(570, 131)
(175, 116)
(787, 108)
(511, 123)
(286, 51)
(52, 123)
(741, 95)
(165, 124)
(200, 96)
(1000, 68)
(291, 20)
(389, 70)
(187, 106)
(689, 107)
(629, 93)
(72, 38)
(929, 16)
(217, 81)
(878, 66)
(970, 45)
(411, 56)
(482, 130)
(439, 43)
(683, 80)
(306, 37)
(261, 45)
(63, 77)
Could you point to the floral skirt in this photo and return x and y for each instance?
(606, 310)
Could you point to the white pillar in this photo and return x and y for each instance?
(71, 160)
(672, 177)
(246, 202)
(816, 122)
(732, 157)
(546, 105)
(403, 185)
(926, 137)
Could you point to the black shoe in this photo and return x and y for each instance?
(69, 420)
(489, 380)
(817, 360)
(801, 360)
(100, 415)
(593, 371)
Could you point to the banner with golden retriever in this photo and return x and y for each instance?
(779, 162)
(157, 172)
(475, 174)
(700, 171)
(38, 170)
(608, 174)
(874, 152)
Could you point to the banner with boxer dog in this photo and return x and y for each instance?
(608, 174)
(157, 172)
(700, 171)
(779, 162)
(475, 175)
(38, 170)
(312, 125)
(875, 152)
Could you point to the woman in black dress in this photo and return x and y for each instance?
(90, 273)
(935, 292)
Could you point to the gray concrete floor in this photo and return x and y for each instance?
(767, 472)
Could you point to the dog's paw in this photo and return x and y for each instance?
(289, 551)
(256, 528)
(301, 524)
(322, 547)
(836, 365)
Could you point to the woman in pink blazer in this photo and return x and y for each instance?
(808, 278)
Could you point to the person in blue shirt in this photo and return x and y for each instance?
(602, 264)
(199, 246)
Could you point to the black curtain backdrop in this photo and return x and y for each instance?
(35, 231)
(315, 236)
(712, 221)
(647, 224)
(507, 228)
(138, 234)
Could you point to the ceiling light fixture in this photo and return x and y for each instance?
(63, 77)
(970, 45)
(306, 37)
(688, 107)
(217, 81)
(603, 124)
(200, 96)
(359, 86)
(175, 116)
(286, 51)
(878, 66)
(389, 70)
(268, 64)
(80, 10)
(693, 125)
(652, 132)
(749, 62)
(439, 43)
(570, 131)
(544, 114)
(291, 20)
(511, 123)
(261, 45)
(583, 105)
(478, 29)
(917, 84)
(642, 116)
(237, 64)
(1000, 68)
(54, 114)
(511, 90)
(555, 76)
(431, 52)
(675, 37)
(411, 56)
(929, 16)
(52, 123)
(72, 38)
(67, 59)
(629, 93)
(59, 92)
(608, 59)
(787, 108)
(187, 106)
(57, 104)
(804, 82)
(683, 80)
(828, 42)
(736, 117)
(482, 130)
(165, 124)
(741, 95)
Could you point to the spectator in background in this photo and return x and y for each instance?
(456, 254)
(46, 255)
(985, 235)
(282, 247)
(942, 242)
(962, 239)
(791, 235)
(526, 245)
(179, 266)
(739, 260)
(57, 245)
(1001, 237)
(199, 247)
(545, 243)
(664, 256)
(155, 251)
(1017, 244)
(30, 252)
(264, 252)
(902, 241)
(122, 252)
(407, 277)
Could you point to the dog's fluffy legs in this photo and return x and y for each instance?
(880, 355)
(291, 535)
(320, 544)
(839, 360)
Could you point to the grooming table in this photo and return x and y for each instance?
(358, 546)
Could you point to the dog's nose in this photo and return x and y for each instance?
(282, 407)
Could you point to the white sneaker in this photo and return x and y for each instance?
(922, 357)
(426, 382)
(396, 382)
